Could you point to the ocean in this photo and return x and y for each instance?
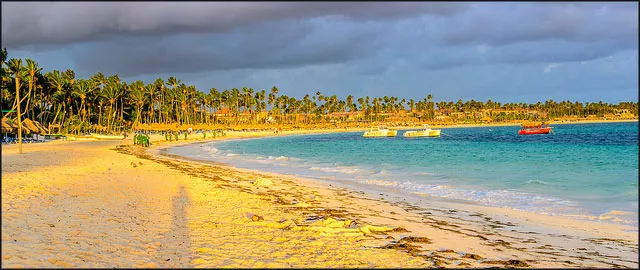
(582, 170)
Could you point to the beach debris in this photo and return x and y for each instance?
(411, 249)
(313, 217)
(51, 225)
(139, 162)
(416, 239)
(514, 263)
(262, 182)
(253, 217)
(399, 229)
(133, 164)
(472, 256)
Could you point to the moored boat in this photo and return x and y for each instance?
(380, 132)
(425, 132)
(534, 128)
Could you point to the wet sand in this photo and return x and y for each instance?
(97, 204)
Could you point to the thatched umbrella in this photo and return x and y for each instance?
(31, 127)
(6, 125)
(41, 129)
(13, 127)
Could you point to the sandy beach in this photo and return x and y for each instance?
(112, 204)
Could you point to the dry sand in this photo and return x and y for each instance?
(88, 204)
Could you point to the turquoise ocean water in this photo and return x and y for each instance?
(582, 169)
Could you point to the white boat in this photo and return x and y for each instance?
(425, 132)
(380, 132)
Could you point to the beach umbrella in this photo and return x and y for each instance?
(30, 125)
(5, 124)
(41, 129)
(15, 126)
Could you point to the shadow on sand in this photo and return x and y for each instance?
(175, 250)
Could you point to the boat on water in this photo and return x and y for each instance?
(424, 132)
(380, 132)
(534, 128)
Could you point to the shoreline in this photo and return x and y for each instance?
(613, 216)
(526, 221)
(441, 233)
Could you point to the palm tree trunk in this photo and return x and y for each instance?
(137, 116)
(17, 80)
(109, 118)
(56, 117)
(84, 111)
(100, 114)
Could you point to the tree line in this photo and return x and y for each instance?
(106, 103)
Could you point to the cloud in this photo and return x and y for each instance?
(356, 46)
(507, 23)
(40, 23)
(268, 46)
(551, 66)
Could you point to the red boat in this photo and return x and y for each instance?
(535, 128)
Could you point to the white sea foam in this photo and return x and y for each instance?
(337, 169)
(539, 182)
(210, 148)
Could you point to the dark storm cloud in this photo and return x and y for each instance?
(366, 40)
(507, 23)
(29, 23)
(269, 46)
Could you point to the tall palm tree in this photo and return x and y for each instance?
(33, 69)
(82, 89)
(56, 80)
(111, 93)
(19, 72)
(138, 97)
(160, 98)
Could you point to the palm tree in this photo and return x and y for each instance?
(430, 106)
(18, 72)
(272, 97)
(81, 90)
(138, 97)
(56, 80)
(69, 77)
(160, 98)
(173, 82)
(111, 93)
(33, 69)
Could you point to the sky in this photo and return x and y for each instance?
(503, 51)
